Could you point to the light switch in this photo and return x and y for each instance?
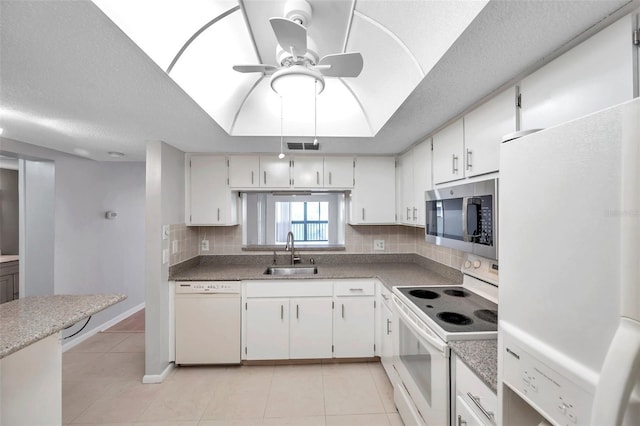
(165, 232)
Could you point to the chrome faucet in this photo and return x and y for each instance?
(287, 247)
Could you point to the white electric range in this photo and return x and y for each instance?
(427, 318)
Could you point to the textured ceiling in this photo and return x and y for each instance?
(72, 80)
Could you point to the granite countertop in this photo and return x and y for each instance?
(30, 319)
(481, 356)
(391, 269)
(8, 258)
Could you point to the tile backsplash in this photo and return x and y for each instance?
(358, 239)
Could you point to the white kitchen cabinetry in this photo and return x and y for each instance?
(414, 173)
(596, 74)
(252, 171)
(308, 172)
(354, 319)
(310, 330)
(475, 403)
(287, 319)
(267, 328)
(244, 171)
(387, 324)
(484, 128)
(373, 199)
(274, 172)
(210, 201)
(448, 151)
(338, 172)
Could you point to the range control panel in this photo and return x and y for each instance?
(551, 394)
(203, 287)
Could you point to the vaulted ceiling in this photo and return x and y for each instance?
(91, 77)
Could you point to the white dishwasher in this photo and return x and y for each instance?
(207, 320)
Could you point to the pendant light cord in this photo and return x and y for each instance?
(315, 114)
(281, 156)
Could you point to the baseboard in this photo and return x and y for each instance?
(157, 378)
(101, 327)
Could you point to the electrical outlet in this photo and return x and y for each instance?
(378, 244)
(165, 256)
(204, 246)
(174, 246)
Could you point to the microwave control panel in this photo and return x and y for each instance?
(550, 393)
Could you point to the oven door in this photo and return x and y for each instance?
(422, 361)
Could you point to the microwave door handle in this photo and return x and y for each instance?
(472, 203)
(465, 231)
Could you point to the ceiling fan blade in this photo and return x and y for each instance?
(267, 69)
(341, 65)
(290, 35)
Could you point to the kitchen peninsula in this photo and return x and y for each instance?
(31, 353)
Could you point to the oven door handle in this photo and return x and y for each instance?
(426, 335)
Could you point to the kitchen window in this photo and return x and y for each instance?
(315, 219)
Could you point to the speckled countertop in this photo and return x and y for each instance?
(391, 269)
(482, 358)
(9, 258)
(30, 319)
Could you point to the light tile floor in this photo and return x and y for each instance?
(101, 384)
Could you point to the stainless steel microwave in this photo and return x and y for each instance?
(464, 217)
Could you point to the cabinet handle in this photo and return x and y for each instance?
(281, 312)
(363, 213)
(297, 311)
(251, 177)
(317, 178)
(356, 289)
(408, 212)
(385, 297)
(265, 177)
(454, 164)
(343, 310)
(469, 156)
(415, 213)
(329, 178)
(388, 326)
(218, 214)
(488, 414)
(460, 421)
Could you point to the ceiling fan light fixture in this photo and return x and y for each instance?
(296, 79)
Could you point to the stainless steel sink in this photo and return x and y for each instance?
(291, 270)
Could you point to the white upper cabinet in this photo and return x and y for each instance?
(209, 199)
(338, 172)
(421, 180)
(448, 151)
(404, 168)
(373, 199)
(244, 171)
(308, 172)
(274, 172)
(596, 74)
(484, 128)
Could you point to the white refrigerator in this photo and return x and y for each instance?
(569, 324)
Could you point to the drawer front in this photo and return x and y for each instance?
(475, 392)
(354, 288)
(288, 288)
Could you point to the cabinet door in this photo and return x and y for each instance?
(208, 193)
(405, 194)
(484, 128)
(338, 172)
(274, 172)
(465, 415)
(421, 180)
(6, 288)
(448, 150)
(373, 199)
(353, 327)
(308, 172)
(267, 329)
(386, 339)
(311, 327)
(244, 171)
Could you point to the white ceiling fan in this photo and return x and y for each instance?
(297, 53)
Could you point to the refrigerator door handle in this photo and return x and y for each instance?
(619, 375)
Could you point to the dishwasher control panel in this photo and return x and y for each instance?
(231, 287)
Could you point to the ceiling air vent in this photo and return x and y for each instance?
(303, 146)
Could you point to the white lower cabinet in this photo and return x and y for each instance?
(310, 329)
(267, 328)
(475, 402)
(387, 324)
(304, 319)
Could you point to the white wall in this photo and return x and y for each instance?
(89, 253)
(165, 197)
